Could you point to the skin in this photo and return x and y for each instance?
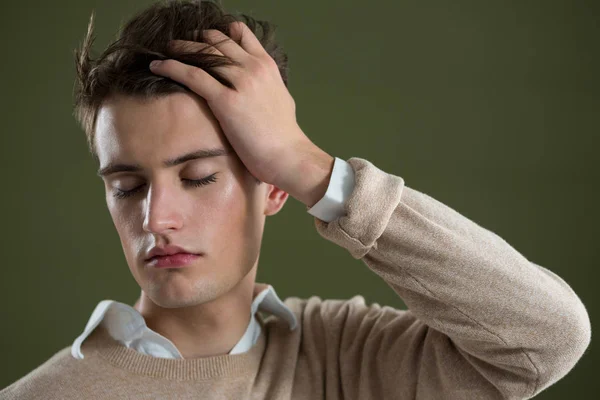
(204, 308)
(258, 115)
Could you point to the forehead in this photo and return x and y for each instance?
(148, 131)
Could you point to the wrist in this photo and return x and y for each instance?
(310, 177)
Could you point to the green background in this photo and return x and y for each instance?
(490, 107)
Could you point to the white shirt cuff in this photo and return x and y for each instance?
(341, 185)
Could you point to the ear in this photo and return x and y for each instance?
(275, 199)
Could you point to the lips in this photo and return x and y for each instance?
(167, 250)
(173, 260)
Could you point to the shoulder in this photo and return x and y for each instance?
(343, 330)
(345, 313)
(46, 380)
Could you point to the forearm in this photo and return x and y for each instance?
(520, 325)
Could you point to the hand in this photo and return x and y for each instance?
(258, 117)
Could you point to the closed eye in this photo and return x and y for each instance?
(121, 194)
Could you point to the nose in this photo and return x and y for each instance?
(162, 212)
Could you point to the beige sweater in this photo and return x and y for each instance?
(483, 322)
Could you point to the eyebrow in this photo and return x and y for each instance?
(194, 155)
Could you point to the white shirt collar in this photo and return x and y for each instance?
(126, 325)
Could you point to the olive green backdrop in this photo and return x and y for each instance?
(490, 107)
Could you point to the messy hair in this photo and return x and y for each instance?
(122, 69)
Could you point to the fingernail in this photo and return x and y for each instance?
(155, 63)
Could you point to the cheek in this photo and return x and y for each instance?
(129, 227)
(219, 215)
(226, 223)
(127, 221)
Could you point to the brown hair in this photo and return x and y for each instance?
(123, 67)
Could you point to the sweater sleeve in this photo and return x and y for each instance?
(483, 322)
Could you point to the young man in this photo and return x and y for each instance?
(191, 170)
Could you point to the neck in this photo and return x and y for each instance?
(206, 329)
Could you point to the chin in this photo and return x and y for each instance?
(168, 302)
(182, 294)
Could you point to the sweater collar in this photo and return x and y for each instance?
(101, 348)
(126, 321)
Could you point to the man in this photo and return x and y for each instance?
(190, 175)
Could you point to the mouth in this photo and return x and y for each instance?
(178, 260)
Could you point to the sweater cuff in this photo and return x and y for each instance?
(368, 209)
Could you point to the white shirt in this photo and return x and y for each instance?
(126, 325)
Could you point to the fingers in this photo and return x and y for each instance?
(192, 47)
(240, 32)
(198, 80)
(225, 44)
(229, 72)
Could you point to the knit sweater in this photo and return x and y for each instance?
(483, 322)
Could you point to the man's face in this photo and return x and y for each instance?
(222, 220)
